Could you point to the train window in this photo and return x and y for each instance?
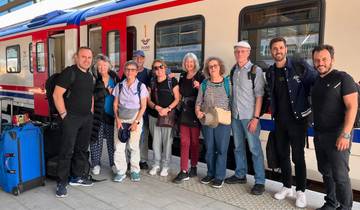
(299, 22)
(31, 67)
(94, 41)
(175, 38)
(13, 59)
(40, 57)
(113, 48)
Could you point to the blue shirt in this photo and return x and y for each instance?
(109, 99)
(144, 76)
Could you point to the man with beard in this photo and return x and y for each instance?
(335, 102)
(289, 81)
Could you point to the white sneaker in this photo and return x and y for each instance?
(96, 170)
(154, 170)
(300, 199)
(283, 193)
(164, 171)
(114, 170)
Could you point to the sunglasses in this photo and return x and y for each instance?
(158, 67)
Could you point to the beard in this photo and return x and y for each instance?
(327, 70)
(279, 57)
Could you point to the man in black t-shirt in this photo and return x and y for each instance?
(335, 102)
(76, 113)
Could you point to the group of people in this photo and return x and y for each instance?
(145, 101)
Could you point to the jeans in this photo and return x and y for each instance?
(240, 134)
(216, 143)
(189, 138)
(291, 134)
(334, 167)
(74, 148)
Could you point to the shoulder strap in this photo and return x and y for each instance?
(203, 86)
(227, 86)
(253, 75)
(170, 85)
(232, 73)
(139, 90)
(120, 87)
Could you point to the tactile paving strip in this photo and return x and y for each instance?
(236, 195)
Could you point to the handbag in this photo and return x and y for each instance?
(224, 116)
(271, 152)
(167, 121)
(124, 132)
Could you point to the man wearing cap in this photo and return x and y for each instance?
(144, 77)
(246, 106)
(289, 83)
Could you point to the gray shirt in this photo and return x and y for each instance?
(215, 96)
(243, 102)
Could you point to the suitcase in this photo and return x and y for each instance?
(21, 158)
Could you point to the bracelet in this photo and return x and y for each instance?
(137, 122)
(258, 118)
(62, 113)
(154, 106)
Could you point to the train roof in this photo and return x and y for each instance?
(52, 18)
(113, 6)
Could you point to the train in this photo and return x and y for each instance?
(31, 51)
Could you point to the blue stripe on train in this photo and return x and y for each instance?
(17, 95)
(268, 125)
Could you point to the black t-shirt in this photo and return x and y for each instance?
(189, 94)
(165, 96)
(327, 100)
(79, 101)
(283, 108)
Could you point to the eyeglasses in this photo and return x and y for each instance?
(129, 69)
(213, 66)
(158, 67)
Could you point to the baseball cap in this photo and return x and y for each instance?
(244, 44)
(139, 53)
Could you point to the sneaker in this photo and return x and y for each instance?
(193, 172)
(284, 192)
(217, 183)
(300, 199)
(258, 189)
(164, 171)
(235, 180)
(114, 169)
(206, 179)
(61, 191)
(96, 170)
(119, 177)
(182, 176)
(144, 165)
(154, 170)
(78, 181)
(135, 176)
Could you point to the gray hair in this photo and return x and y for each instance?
(194, 58)
(131, 62)
(102, 57)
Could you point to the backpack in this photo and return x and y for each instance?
(50, 87)
(252, 75)
(169, 82)
(138, 89)
(226, 82)
(357, 118)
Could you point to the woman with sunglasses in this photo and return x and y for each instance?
(164, 97)
(214, 92)
(129, 107)
(189, 84)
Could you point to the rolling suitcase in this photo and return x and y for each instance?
(21, 158)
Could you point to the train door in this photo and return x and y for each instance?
(95, 43)
(56, 53)
(40, 64)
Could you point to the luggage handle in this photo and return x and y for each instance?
(6, 163)
(11, 109)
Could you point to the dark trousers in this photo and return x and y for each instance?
(74, 146)
(334, 167)
(291, 134)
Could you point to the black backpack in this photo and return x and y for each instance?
(252, 75)
(357, 119)
(50, 87)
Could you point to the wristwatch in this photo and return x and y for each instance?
(137, 122)
(346, 135)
